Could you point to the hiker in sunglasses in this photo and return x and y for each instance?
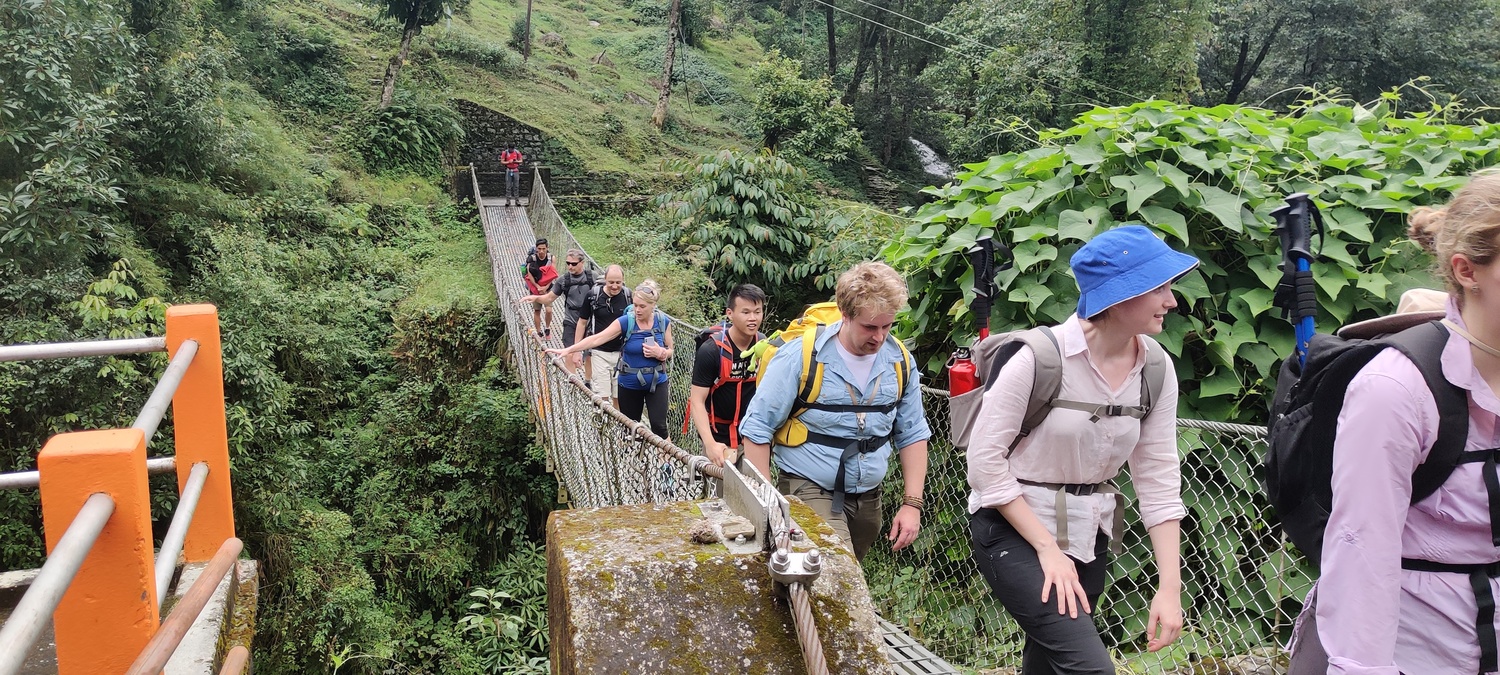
(575, 285)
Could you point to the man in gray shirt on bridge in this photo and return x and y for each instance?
(574, 286)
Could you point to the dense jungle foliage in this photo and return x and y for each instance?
(1207, 179)
(384, 466)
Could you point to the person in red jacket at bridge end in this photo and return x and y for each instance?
(512, 158)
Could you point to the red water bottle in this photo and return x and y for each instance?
(962, 376)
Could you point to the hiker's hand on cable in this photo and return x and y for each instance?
(904, 527)
(554, 351)
(1165, 623)
(716, 452)
(1061, 576)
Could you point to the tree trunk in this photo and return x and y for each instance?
(659, 117)
(526, 50)
(388, 91)
(871, 35)
(833, 46)
(1244, 72)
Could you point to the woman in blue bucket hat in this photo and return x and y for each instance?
(1042, 509)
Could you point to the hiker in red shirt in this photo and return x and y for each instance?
(512, 158)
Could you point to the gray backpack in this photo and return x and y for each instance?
(991, 354)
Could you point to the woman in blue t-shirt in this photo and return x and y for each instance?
(644, 357)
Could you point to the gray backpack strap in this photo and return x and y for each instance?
(1154, 375)
(1047, 381)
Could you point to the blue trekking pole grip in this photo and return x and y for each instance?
(1296, 294)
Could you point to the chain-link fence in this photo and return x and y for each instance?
(1242, 585)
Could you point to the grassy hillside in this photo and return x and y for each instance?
(601, 112)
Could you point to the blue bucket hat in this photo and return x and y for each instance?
(1123, 263)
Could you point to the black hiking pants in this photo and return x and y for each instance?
(1055, 643)
(655, 403)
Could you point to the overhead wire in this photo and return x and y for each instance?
(988, 49)
(959, 52)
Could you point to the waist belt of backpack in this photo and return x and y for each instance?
(640, 374)
(852, 447)
(1062, 490)
(1479, 579)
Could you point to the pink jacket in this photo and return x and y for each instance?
(1373, 617)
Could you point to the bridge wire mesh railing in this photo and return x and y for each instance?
(1242, 584)
(547, 223)
(601, 457)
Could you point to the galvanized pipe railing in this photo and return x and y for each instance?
(67, 350)
(158, 465)
(182, 519)
(161, 396)
(113, 573)
(151, 413)
(34, 612)
(23, 480)
(164, 643)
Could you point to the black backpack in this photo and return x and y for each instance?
(568, 284)
(1304, 417)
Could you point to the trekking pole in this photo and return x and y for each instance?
(1296, 293)
(982, 259)
(962, 375)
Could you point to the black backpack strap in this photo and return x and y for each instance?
(1424, 345)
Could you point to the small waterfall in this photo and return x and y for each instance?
(932, 162)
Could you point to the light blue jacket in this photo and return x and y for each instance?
(777, 391)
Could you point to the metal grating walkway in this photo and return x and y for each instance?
(909, 656)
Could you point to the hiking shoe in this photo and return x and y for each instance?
(547, 333)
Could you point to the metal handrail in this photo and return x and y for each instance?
(164, 643)
(158, 465)
(182, 519)
(235, 661)
(21, 480)
(151, 413)
(161, 396)
(34, 612)
(66, 350)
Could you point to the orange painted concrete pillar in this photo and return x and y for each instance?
(200, 429)
(109, 612)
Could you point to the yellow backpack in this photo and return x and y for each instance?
(809, 327)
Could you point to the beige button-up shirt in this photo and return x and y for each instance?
(1068, 448)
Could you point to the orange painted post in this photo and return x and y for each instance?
(199, 427)
(109, 613)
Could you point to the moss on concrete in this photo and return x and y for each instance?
(634, 594)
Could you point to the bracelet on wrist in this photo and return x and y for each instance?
(914, 502)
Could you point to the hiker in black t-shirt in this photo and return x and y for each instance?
(722, 381)
(607, 302)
